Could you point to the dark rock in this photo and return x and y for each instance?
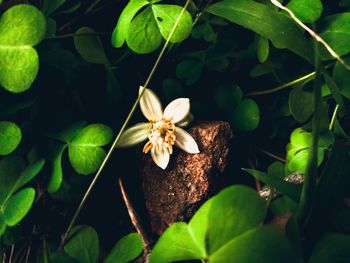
(174, 194)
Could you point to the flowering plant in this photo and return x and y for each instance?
(163, 129)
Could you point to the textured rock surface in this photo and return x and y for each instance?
(175, 193)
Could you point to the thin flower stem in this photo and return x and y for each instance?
(134, 218)
(283, 86)
(272, 155)
(125, 124)
(11, 253)
(312, 33)
(306, 77)
(334, 116)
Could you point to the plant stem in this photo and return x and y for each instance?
(334, 116)
(135, 218)
(308, 76)
(309, 186)
(126, 122)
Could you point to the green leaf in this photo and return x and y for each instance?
(301, 104)
(30, 172)
(189, 70)
(89, 46)
(67, 133)
(18, 206)
(55, 164)
(10, 137)
(332, 248)
(50, 6)
(246, 116)
(10, 171)
(166, 16)
(342, 78)
(220, 219)
(228, 97)
(21, 27)
(308, 11)
(260, 18)
(83, 244)
(84, 150)
(300, 139)
(335, 30)
(181, 238)
(298, 161)
(127, 249)
(51, 27)
(276, 169)
(143, 34)
(263, 49)
(122, 27)
(291, 190)
(263, 244)
(229, 215)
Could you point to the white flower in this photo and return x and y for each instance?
(163, 129)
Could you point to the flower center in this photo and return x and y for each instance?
(162, 133)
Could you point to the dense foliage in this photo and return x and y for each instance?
(70, 71)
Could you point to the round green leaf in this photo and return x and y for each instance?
(298, 161)
(85, 160)
(84, 150)
(83, 244)
(50, 6)
(122, 27)
(300, 139)
(263, 244)
(21, 27)
(189, 70)
(93, 135)
(232, 212)
(143, 34)
(301, 104)
(166, 16)
(127, 249)
(89, 46)
(228, 97)
(308, 11)
(10, 137)
(18, 206)
(342, 78)
(246, 117)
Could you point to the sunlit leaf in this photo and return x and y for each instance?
(21, 27)
(18, 206)
(85, 153)
(263, 244)
(10, 137)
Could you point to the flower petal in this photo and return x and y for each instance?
(151, 106)
(186, 121)
(185, 141)
(134, 135)
(160, 156)
(177, 110)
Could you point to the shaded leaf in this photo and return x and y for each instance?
(127, 249)
(246, 116)
(83, 244)
(89, 46)
(308, 11)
